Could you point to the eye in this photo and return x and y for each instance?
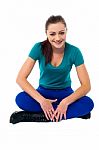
(62, 33)
(52, 34)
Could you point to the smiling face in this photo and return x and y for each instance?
(56, 34)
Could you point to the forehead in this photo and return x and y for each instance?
(56, 27)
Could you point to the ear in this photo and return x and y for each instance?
(45, 31)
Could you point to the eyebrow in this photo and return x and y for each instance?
(55, 32)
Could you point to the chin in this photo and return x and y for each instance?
(58, 45)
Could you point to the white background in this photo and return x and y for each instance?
(22, 24)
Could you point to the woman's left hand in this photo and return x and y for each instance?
(60, 111)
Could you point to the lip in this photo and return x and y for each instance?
(58, 42)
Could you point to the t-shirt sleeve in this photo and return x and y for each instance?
(78, 57)
(35, 52)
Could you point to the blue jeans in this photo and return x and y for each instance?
(78, 108)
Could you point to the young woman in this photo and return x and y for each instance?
(54, 96)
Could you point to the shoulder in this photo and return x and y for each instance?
(36, 51)
(72, 50)
(75, 54)
(37, 45)
(71, 47)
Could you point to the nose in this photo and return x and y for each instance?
(57, 38)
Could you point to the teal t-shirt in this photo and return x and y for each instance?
(52, 77)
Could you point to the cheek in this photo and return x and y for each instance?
(64, 37)
(50, 38)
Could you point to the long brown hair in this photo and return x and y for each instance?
(46, 46)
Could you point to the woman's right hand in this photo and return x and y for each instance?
(47, 107)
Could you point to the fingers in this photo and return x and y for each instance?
(61, 116)
(46, 115)
(49, 114)
(48, 108)
(58, 115)
(65, 116)
(53, 116)
(52, 101)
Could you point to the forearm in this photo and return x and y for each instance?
(27, 87)
(80, 92)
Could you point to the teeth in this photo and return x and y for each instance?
(58, 42)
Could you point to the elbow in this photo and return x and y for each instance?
(19, 80)
(87, 88)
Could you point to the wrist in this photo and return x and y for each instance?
(66, 101)
(42, 100)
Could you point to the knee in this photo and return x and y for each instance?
(19, 97)
(89, 102)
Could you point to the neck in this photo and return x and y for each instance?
(58, 50)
